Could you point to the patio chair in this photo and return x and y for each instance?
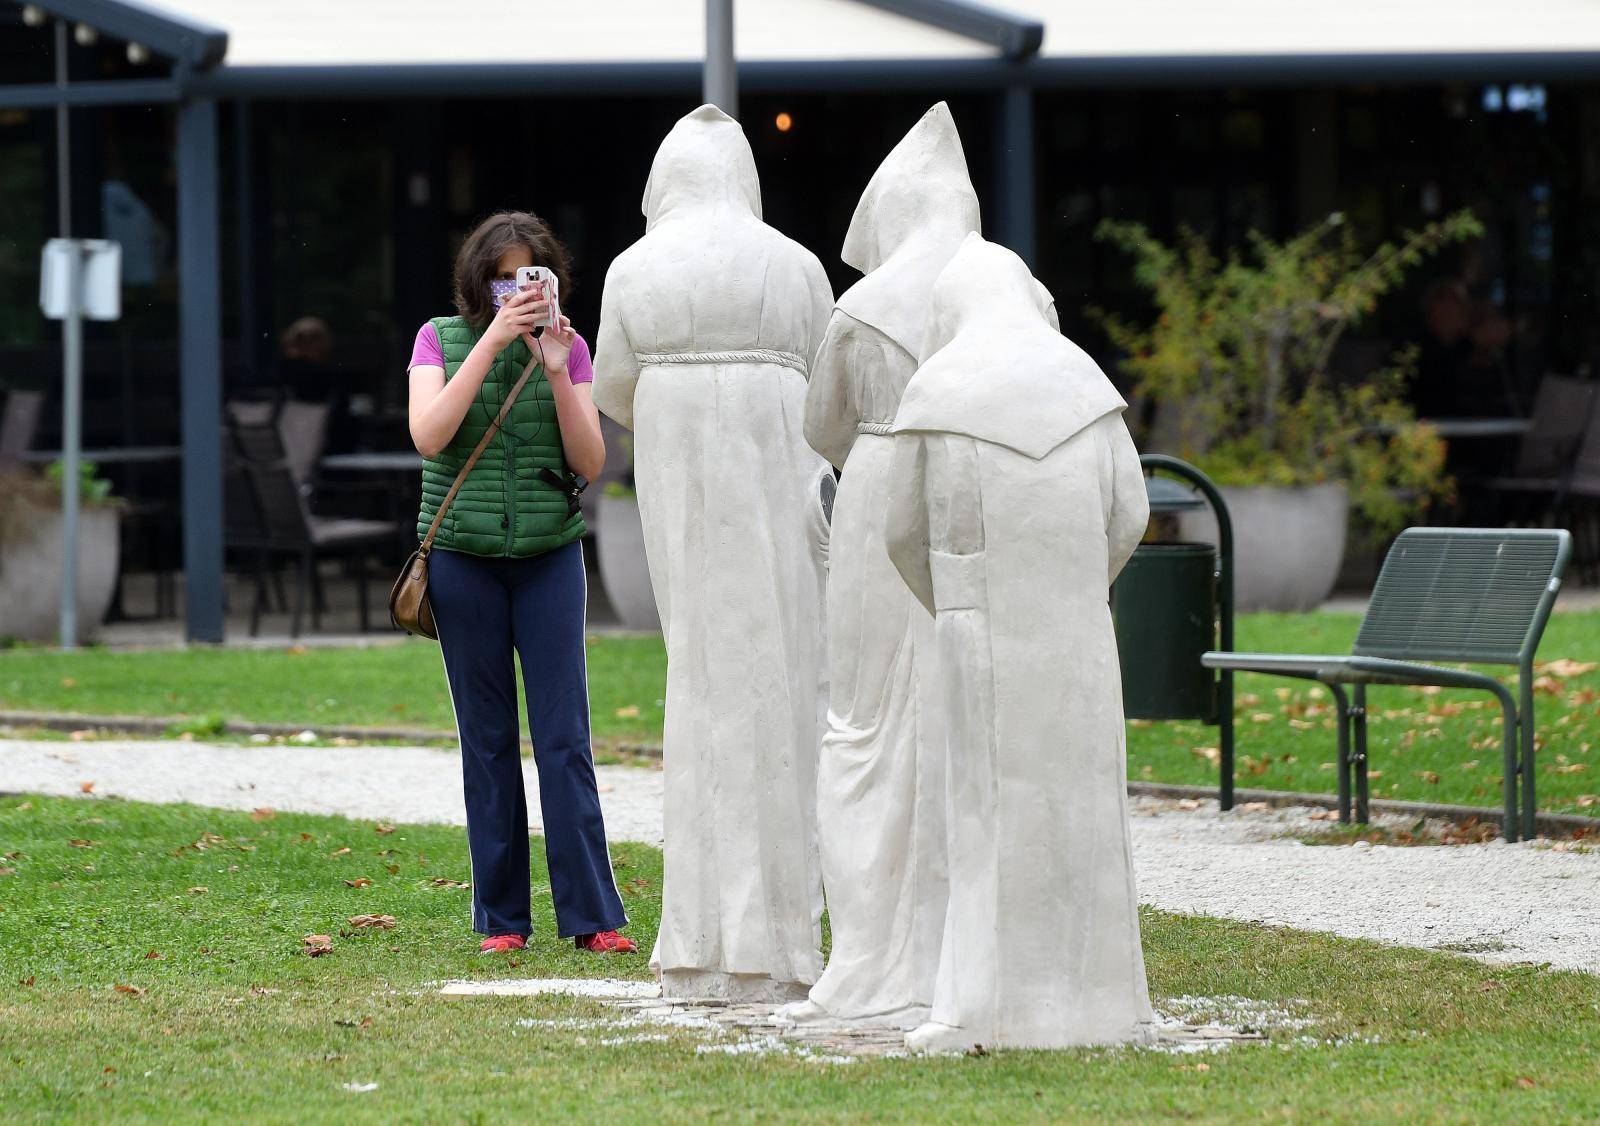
(1564, 410)
(1480, 595)
(1580, 500)
(19, 424)
(267, 518)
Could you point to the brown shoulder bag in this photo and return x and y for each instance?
(408, 600)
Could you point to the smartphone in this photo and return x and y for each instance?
(537, 275)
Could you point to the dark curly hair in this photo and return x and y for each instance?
(480, 255)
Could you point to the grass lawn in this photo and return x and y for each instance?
(1425, 746)
(199, 915)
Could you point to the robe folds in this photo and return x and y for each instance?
(708, 326)
(880, 797)
(1015, 497)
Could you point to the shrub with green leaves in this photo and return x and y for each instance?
(1241, 349)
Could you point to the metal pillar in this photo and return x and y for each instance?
(1015, 171)
(245, 223)
(721, 86)
(200, 366)
(71, 359)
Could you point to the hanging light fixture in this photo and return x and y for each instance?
(138, 54)
(33, 15)
(85, 35)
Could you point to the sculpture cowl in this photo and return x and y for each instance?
(880, 797)
(1016, 497)
(708, 325)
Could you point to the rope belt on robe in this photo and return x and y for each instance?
(744, 356)
(874, 427)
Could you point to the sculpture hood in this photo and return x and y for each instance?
(992, 367)
(917, 208)
(705, 161)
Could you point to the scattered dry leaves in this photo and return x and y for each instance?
(130, 990)
(382, 922)
(359, 882)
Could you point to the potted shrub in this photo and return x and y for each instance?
(30, 552)
(1237, 362)
(624, 570)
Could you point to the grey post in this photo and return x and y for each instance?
(71, 360)
(1014, 142)
(721, 85)
(200, 366)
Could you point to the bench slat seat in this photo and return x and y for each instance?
(1477, 595)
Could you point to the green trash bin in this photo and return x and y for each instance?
(1165, 610)
(1172, 602)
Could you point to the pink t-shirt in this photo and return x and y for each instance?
(428, 352)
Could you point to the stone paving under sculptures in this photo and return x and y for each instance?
(747, 1027)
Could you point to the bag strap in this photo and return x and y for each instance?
(483, 444)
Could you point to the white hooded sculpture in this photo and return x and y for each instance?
(1015, 498)
(880, 795)
(707, 327)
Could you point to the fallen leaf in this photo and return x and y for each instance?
(154, 955)
(1261, 717)
(382, 922)
(305, 836)
(68, 682)
(338, 852)
(316, 945)
(364, 1022)
(394, 869)
(359, 882)
(265, 813)
(131, 990)
(1565, 667)
(1586, 800)
(360, 1088)
(1429, 777)
(7, 871)
(1572, 768)
(25, 980)
(86, 787)
(441, 882)
(198, 890)
(1524, 1082)
(78, 842)
(383, 830)
(629, 712)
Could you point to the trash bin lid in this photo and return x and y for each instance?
(1167, 495)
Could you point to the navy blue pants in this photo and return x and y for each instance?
(487, 610)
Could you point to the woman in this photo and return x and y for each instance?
(507, 579)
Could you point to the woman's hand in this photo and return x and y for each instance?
(520, 314)
(556, 345)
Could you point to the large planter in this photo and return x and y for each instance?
(31, 572)
(624, 571)
(1288, 543)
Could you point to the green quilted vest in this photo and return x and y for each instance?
(513, 502)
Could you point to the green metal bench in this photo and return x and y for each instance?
(1478, 595)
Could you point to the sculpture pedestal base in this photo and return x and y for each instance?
(809, 1012)
(716, 985)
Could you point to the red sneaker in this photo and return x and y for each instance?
(606, 942)
(501, 943)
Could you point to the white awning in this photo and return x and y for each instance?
(1275, 28)
(289, 33)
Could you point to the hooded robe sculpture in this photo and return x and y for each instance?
(1015, 498)
(880, 796)
(707, 327)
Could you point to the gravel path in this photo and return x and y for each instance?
(1526, 902)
